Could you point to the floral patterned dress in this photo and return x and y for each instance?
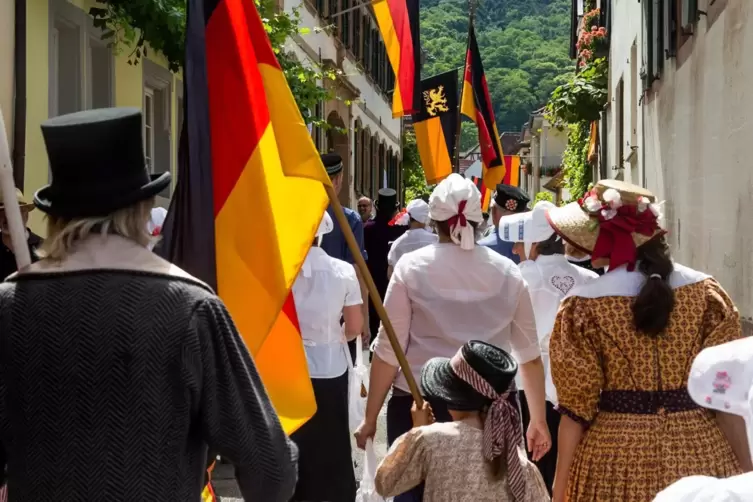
(630, 390)
(448, 457)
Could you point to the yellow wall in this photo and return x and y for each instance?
(6, 64)
(128, 91)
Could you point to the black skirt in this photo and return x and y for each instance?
(325, 462)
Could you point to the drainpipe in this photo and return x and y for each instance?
(19, 104)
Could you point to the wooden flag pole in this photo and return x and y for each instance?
(10, 203)
(374, 294)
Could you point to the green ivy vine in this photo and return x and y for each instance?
(575, 160)
(547, 196)
(140, 26)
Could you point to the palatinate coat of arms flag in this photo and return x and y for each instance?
(436, 125)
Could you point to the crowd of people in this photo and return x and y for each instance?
(553, 354)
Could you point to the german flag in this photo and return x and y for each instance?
(486, 194)
(398, 23)
(512, 170)
(476, 104)
(436, 125)
(244, 150)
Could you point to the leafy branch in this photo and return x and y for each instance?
(413, 173)
(160, 25)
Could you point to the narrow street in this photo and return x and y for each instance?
(227, 489)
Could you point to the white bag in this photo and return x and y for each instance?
(367, 490)
(358, 376)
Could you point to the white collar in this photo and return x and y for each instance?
(110, 252)
(553, 259)
(621, 282)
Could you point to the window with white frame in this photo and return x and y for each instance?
(80, 62)
(158, 124)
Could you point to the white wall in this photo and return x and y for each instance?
(625, 63)
(699, 149)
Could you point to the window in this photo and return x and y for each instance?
(357, 178)
(357, 44)
(346, 24)
(80, 63)
(318, 112)
(670, 28)
(374, 166)
(157, 109)
(374, 54)
(620, 125)
(320, 7)
(149, 128)
(333, 9)
(366, 161)
(689, 15)
(367, 35)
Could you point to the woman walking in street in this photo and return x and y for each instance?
(325, 291)
(118, 369)
(621, 351)
(442, 296)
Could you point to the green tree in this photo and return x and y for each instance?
(413, 174)
(160, 25)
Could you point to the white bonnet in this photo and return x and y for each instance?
(416, 209)
(325, 226)
(458, 201)
(527, 227)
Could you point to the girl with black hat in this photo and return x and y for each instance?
(118, 369)
(479, 456)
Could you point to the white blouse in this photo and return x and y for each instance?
(413, 239)
(442, 296)
(549, 279)
(322, 289)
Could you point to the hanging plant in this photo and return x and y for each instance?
(583, 98)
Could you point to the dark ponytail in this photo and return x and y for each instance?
(656, 299)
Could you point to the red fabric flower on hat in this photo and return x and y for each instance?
(511, 204)
(616, 231)
(156, 231)
(394, 221)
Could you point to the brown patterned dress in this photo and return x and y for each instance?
(644, 431)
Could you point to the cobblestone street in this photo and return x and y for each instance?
(227, 489)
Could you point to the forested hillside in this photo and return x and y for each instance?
(524, 45)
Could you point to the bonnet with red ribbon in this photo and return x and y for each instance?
(457, 201)
(617, 222)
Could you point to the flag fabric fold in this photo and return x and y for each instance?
(245, 150)
(399, 25)
(436, 125)
(476, 104)
(512, 170)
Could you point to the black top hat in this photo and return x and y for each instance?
(493, 364)
(511, 198)
(387, 199)
(333, 163)
(97, 163)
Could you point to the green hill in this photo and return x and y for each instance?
(524, 45)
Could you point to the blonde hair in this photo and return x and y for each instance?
(130, 222)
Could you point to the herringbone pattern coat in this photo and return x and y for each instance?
(112, 384)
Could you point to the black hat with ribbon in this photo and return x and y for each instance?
(480, 376)
(97, 163)
(333, 163)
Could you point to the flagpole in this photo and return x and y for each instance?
(374, 294)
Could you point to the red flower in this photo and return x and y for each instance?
(156, 231)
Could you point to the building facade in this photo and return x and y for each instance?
(541, 158)
(344, 36)
(68, 68)
(678, 123)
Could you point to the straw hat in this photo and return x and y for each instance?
(578, 222)
(23, 204)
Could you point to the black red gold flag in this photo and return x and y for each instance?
(398, 23)
(486, 194)
(436, 125)
(244, 149)
(476, 104)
